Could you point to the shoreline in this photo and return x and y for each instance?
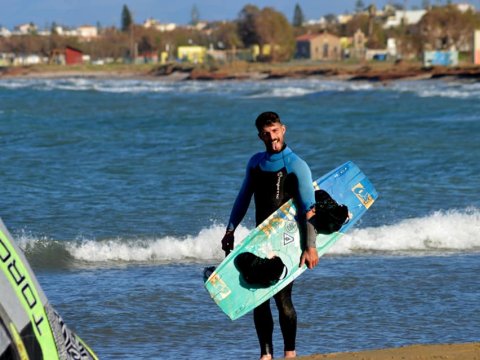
(371, 72)
(463, 351)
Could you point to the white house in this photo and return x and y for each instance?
(344, 18)
(4, 32)
(25, 29)
(464, 7)
(408, 17)
(87, 32)
(321, 21)
(152, 23)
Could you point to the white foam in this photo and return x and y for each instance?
(439, 88)
(283, 88)
(203, 246)
(442, 231)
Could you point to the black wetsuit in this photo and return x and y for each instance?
(273, 179)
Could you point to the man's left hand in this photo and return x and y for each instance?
(309, 257)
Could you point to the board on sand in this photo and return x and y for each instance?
(30, 328)
(279, 236)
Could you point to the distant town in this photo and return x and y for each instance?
(441, 34)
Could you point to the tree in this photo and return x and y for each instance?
(195, 16)
(273, 29)
(226, 36)
(444, 27)
(127, 19)
(53, 28)
(371, 18)
(298, 18)
(359, 6)
(376, 37)
(247, 25)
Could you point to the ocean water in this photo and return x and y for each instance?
(118, 190)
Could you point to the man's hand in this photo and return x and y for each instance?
(309, 257)
(227, 242)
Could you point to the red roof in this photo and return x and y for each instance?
(307, 37)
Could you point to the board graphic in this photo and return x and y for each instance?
(279, 236)
(29, 326)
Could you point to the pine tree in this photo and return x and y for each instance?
(359, 6)
(195, 16)
(127, 19)
(298, 18)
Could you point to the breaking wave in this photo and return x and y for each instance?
(440, 233)
(284, 88)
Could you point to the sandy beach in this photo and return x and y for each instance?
(467, 351)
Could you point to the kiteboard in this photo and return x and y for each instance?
(279, 236)
(30, 328)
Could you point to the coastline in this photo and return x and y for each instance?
(373, 72)
(464, 351)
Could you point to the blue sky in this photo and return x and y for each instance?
(107, 12)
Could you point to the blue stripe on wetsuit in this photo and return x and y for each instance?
(267, 162)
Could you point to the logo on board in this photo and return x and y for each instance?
(289, 233)
(362, 194)
(291, 227)
(287, 239)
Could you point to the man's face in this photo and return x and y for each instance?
(273, 137)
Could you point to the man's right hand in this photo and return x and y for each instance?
(227, 242)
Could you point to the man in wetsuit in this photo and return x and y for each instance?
(273, 177)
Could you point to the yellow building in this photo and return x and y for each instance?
(193, 54)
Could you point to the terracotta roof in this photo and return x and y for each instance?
(306, 37)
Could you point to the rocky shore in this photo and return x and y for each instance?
(375, 72)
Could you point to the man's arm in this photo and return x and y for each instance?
(240, 207)
(307, 204)
(310, 254)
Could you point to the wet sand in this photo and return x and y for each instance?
(466, 351)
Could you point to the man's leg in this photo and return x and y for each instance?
(262, 316)
(288, 319)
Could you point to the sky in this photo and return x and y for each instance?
(108, 12)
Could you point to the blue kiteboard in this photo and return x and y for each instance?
(279, 236)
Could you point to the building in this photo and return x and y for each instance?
(406, 17)
(344, 18)
(25, 29)
(476, 47)
(322, 46)
(155, 24)
(464, 7)
(4, 32)
(73, 56)
(440, 58)
(193, 54)
(87, 32)
(359, 45)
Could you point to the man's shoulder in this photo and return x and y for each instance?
(256, 159)
(296, 164)
(293, 157)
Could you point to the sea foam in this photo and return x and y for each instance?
(439, 233)
(282, 88)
